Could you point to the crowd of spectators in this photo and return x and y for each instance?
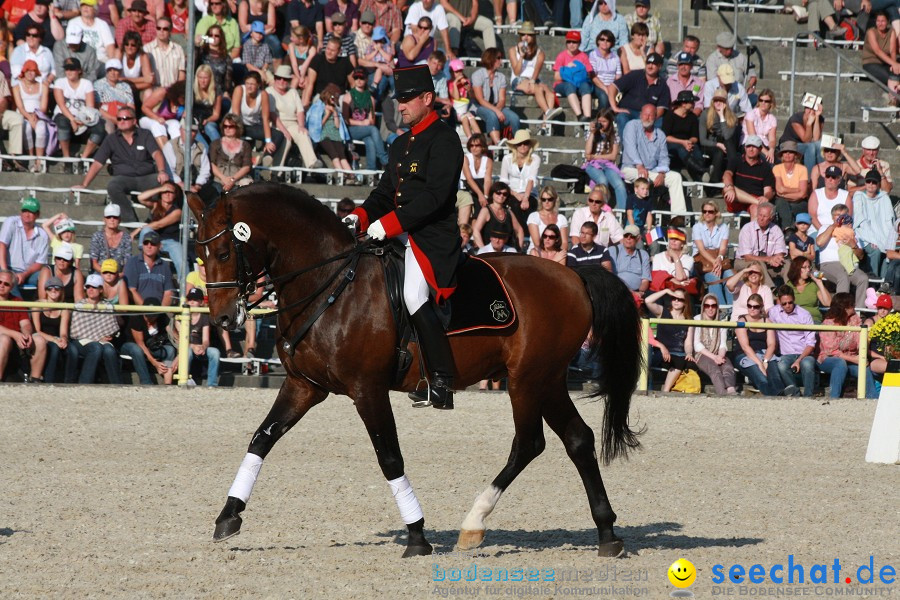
(295, 83)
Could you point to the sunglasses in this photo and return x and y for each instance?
(158, 28)
(547, 200)
(754, 306)
(92, 287)
(716, 100)
(229, 126)
(53, 288)
(571, 42)
(677, 299)
(502, 194)
(123, 119)
(629, 235)
(32, 34)
(548, 237)
(607, 40)
(832, 177)
(710, 306)
(788, 303)
(111, 217)
(706, 211)
(425, 27)
(5, 284)
(478, 145)
(277, 78)
(148, 242)
(765, 100)
(755, 273)
(596, 201)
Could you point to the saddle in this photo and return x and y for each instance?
(480, 302)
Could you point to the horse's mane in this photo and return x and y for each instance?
(289, 205)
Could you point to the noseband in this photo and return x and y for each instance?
(246, 279)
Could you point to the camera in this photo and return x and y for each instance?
(206, 39)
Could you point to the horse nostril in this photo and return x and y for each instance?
(223, 321)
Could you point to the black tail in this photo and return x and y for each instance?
(616, 343)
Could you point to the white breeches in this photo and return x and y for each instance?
(172, 128)
(415, 288)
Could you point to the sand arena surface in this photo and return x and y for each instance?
(112, 492)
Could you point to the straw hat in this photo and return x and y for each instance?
(526, 27)
(522, 136)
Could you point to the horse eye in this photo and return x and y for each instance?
(223, 256)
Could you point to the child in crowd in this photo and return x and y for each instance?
(800, 243)
(381, 52)
(461, 91)
(301, 51)
(639, 207)
(256, 54)
(61, 230)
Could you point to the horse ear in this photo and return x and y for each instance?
(197, 206)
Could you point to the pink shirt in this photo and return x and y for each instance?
(831, 343)
(763, 125)
(564, 58)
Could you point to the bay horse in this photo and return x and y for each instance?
(303, 248)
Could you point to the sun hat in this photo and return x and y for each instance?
(379, 33)
(110, 265)
(869, 142)
(725, 40)
(788, 146)
(284, 72)
(112, 210)
(53, 282)
(753, 140)
(258, 27)
(527, 27)
(367, 17)
(337, 17)
(721, 93)
(522, 136)
(30, 65)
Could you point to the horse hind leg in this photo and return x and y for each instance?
(294, 400)
(527, 445)
(578, 439)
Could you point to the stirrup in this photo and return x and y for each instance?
(420, 397)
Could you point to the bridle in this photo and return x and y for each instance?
(246, 280)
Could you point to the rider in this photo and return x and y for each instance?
(416, 199)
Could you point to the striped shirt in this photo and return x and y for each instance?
(348, 46)
(167, 62)
(93, 323)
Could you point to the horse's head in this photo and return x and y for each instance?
(231, 261)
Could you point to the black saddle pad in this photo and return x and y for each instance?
(480, 300)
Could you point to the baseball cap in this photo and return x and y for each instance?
(457, 65)
(110, 265)
(834, 171)
(885, 301)
(152, 237)
(869, 142)
(685, 58)
(725, 73)
(71, 64)
(379, 33)
(573, 36)
(112, 210)
(359, 73)
(753, 140)
(803, 218)
(337, 17)
(139, 5)
(64, 225)
(73, 35)
(873, 176)
(258, 27)
(114, 63)
(53, 282)
(642, 3)
(632, 230)
(31, 204)
(655, 59)
(64, 251)
(89, 2)
(195, 294)
(367, 17)
(93, 280)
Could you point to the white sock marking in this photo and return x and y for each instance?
(483, 506)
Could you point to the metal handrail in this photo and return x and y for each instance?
(645, 342)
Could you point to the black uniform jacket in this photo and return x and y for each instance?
(417, 195)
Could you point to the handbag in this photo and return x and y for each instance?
(688, 382)
(708, 266)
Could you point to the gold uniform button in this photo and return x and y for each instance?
(412, 138)
(399, 194)
(401, 180)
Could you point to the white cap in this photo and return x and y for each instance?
(73, 34)
(94, 280)
(114, 63)
(64, 251)
(112, 210)
(871, 143)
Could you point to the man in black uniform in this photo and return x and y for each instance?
(416, 199)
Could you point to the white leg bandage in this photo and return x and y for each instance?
(483, 506)
(405, 496)
(246, 477)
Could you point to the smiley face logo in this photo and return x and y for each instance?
(682, 573)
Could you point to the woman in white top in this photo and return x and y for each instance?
(761, 121)
(526, 60)
(548, 214)
(634, 54)
(519, 170)
(478, 169)
(32, 96)
(674, 261)
(72, 94)
(136, 68)
(251, 104)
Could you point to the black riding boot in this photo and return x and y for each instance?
(435, 348)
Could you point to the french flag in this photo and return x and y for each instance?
(657, 233)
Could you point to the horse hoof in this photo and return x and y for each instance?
(614, 549)
(469, 539)
(418, 550)
(227, 528)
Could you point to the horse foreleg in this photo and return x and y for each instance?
(578, 438)
(379, 421)
(527, 445)
(294, 399)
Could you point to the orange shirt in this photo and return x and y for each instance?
(14, 10)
